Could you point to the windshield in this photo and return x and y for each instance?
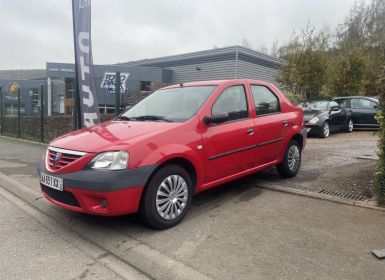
(174, 104)
(316, 105)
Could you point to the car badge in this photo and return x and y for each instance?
(56, 158)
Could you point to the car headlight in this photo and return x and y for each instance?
(110, 161)
(314, 120)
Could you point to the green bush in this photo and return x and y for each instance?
(296, 98)
(380, 178)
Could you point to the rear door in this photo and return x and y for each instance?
(229, 145)
(270, 124)
(363, 111)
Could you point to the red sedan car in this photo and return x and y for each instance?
(180, 140)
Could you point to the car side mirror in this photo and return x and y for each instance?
(216, 119)
(375, 107)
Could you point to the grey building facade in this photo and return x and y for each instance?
(58, 80)
(138, 78)
(234, 62)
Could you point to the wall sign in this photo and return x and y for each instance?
(109, 79)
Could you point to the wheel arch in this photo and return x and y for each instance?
(299, 138)
(181, 161)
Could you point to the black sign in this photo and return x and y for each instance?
(89, 111)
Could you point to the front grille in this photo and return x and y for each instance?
(58, 158)
(61, 196)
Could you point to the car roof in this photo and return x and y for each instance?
(357, 97)
(217, 83)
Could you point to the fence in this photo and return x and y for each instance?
(38, 127)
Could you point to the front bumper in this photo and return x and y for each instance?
(313, 129)
(107, 193)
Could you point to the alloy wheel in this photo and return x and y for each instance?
(171, 197)
(350, 125)
(294, 158)
(326, 129)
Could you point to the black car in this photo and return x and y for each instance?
(362, 110)
(323, 117)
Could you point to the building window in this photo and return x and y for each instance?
(11, 109)
(35, 100)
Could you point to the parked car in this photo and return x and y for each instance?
(180, 140)
(362, 110)
(323, 117)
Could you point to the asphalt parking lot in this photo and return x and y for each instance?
(344, 162)
(241, 231)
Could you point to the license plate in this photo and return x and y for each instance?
(51, 181)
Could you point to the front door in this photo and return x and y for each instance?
(229, 145)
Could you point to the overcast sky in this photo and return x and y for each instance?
(34, 32)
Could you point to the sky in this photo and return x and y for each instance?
(39, 31)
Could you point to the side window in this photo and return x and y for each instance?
(344, 103)
(356, 103)
(362, 104)
(372, 105)
(265, 101)
(232, 101)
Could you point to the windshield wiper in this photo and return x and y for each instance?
(152, 118)
(125, 118)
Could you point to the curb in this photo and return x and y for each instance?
(270, 186)
(131, 252)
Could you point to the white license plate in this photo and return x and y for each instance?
(51, 181)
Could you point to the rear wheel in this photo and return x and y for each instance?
(349, 126)
(325, 130)
(291, 161)
(167, 197)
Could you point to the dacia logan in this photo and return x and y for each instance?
(180, 140)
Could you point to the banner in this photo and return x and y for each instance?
(84, 68)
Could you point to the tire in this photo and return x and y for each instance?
(325, 130)
(167, 197)
(349, 126)
(291, 162)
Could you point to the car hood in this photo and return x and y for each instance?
(109, 135)
(309, 114)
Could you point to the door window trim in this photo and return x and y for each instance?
(255, 108)
(247, 105)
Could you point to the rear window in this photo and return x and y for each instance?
(265, 101)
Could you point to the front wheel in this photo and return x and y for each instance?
(291, 161)
(325, 130)
(167, 197)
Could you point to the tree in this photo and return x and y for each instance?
(306, 62)
(347, 72)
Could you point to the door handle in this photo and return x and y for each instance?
(250, 131)
(285, 123)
